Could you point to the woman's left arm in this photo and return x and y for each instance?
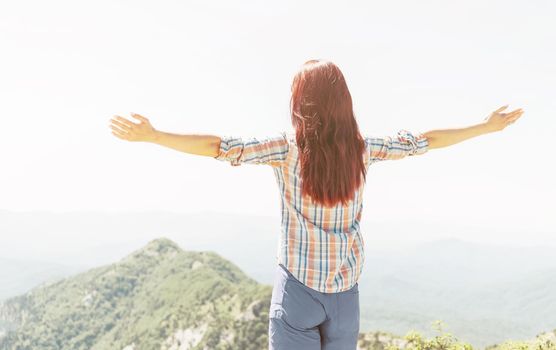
(203, 145)
(495, 121)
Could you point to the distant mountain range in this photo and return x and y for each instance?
(19, 276)
(158, 297)
(485, 294)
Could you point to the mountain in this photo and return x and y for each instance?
(485, 293)
(159, 297)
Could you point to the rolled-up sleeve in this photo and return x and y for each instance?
(271, 149)
(405, 143)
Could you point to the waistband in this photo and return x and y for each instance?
(354, 288)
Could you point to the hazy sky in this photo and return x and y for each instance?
(225, 68)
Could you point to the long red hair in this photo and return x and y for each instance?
(327, 135)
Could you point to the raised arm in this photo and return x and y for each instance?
(271, 149)
(408, 143)
(202, 145)
(496, 121)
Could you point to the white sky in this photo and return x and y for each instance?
(226, 67)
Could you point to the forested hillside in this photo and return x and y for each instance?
(159, 297)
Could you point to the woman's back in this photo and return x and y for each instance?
(321, 246)
(341, 220)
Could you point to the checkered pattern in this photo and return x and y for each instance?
(321, 246)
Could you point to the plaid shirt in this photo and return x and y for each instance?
(321, 246)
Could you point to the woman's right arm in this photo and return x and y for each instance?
(411, 143)
(496, 121)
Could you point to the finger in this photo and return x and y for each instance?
(501, 109)
(516, 117)
(512, 114)
(125, 121)
(516, 110)
(118, 135)
(121, 125)
(121, 131)
(138, 116)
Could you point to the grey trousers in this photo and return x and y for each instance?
(302, 318)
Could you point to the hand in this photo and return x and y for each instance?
(130, 131)
(497, 120)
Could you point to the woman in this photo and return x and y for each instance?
(320, 171)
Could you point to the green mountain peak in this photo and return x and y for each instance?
(159, 247)
(158, 297)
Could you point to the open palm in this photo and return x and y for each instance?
(130, 131)
(498, 121)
